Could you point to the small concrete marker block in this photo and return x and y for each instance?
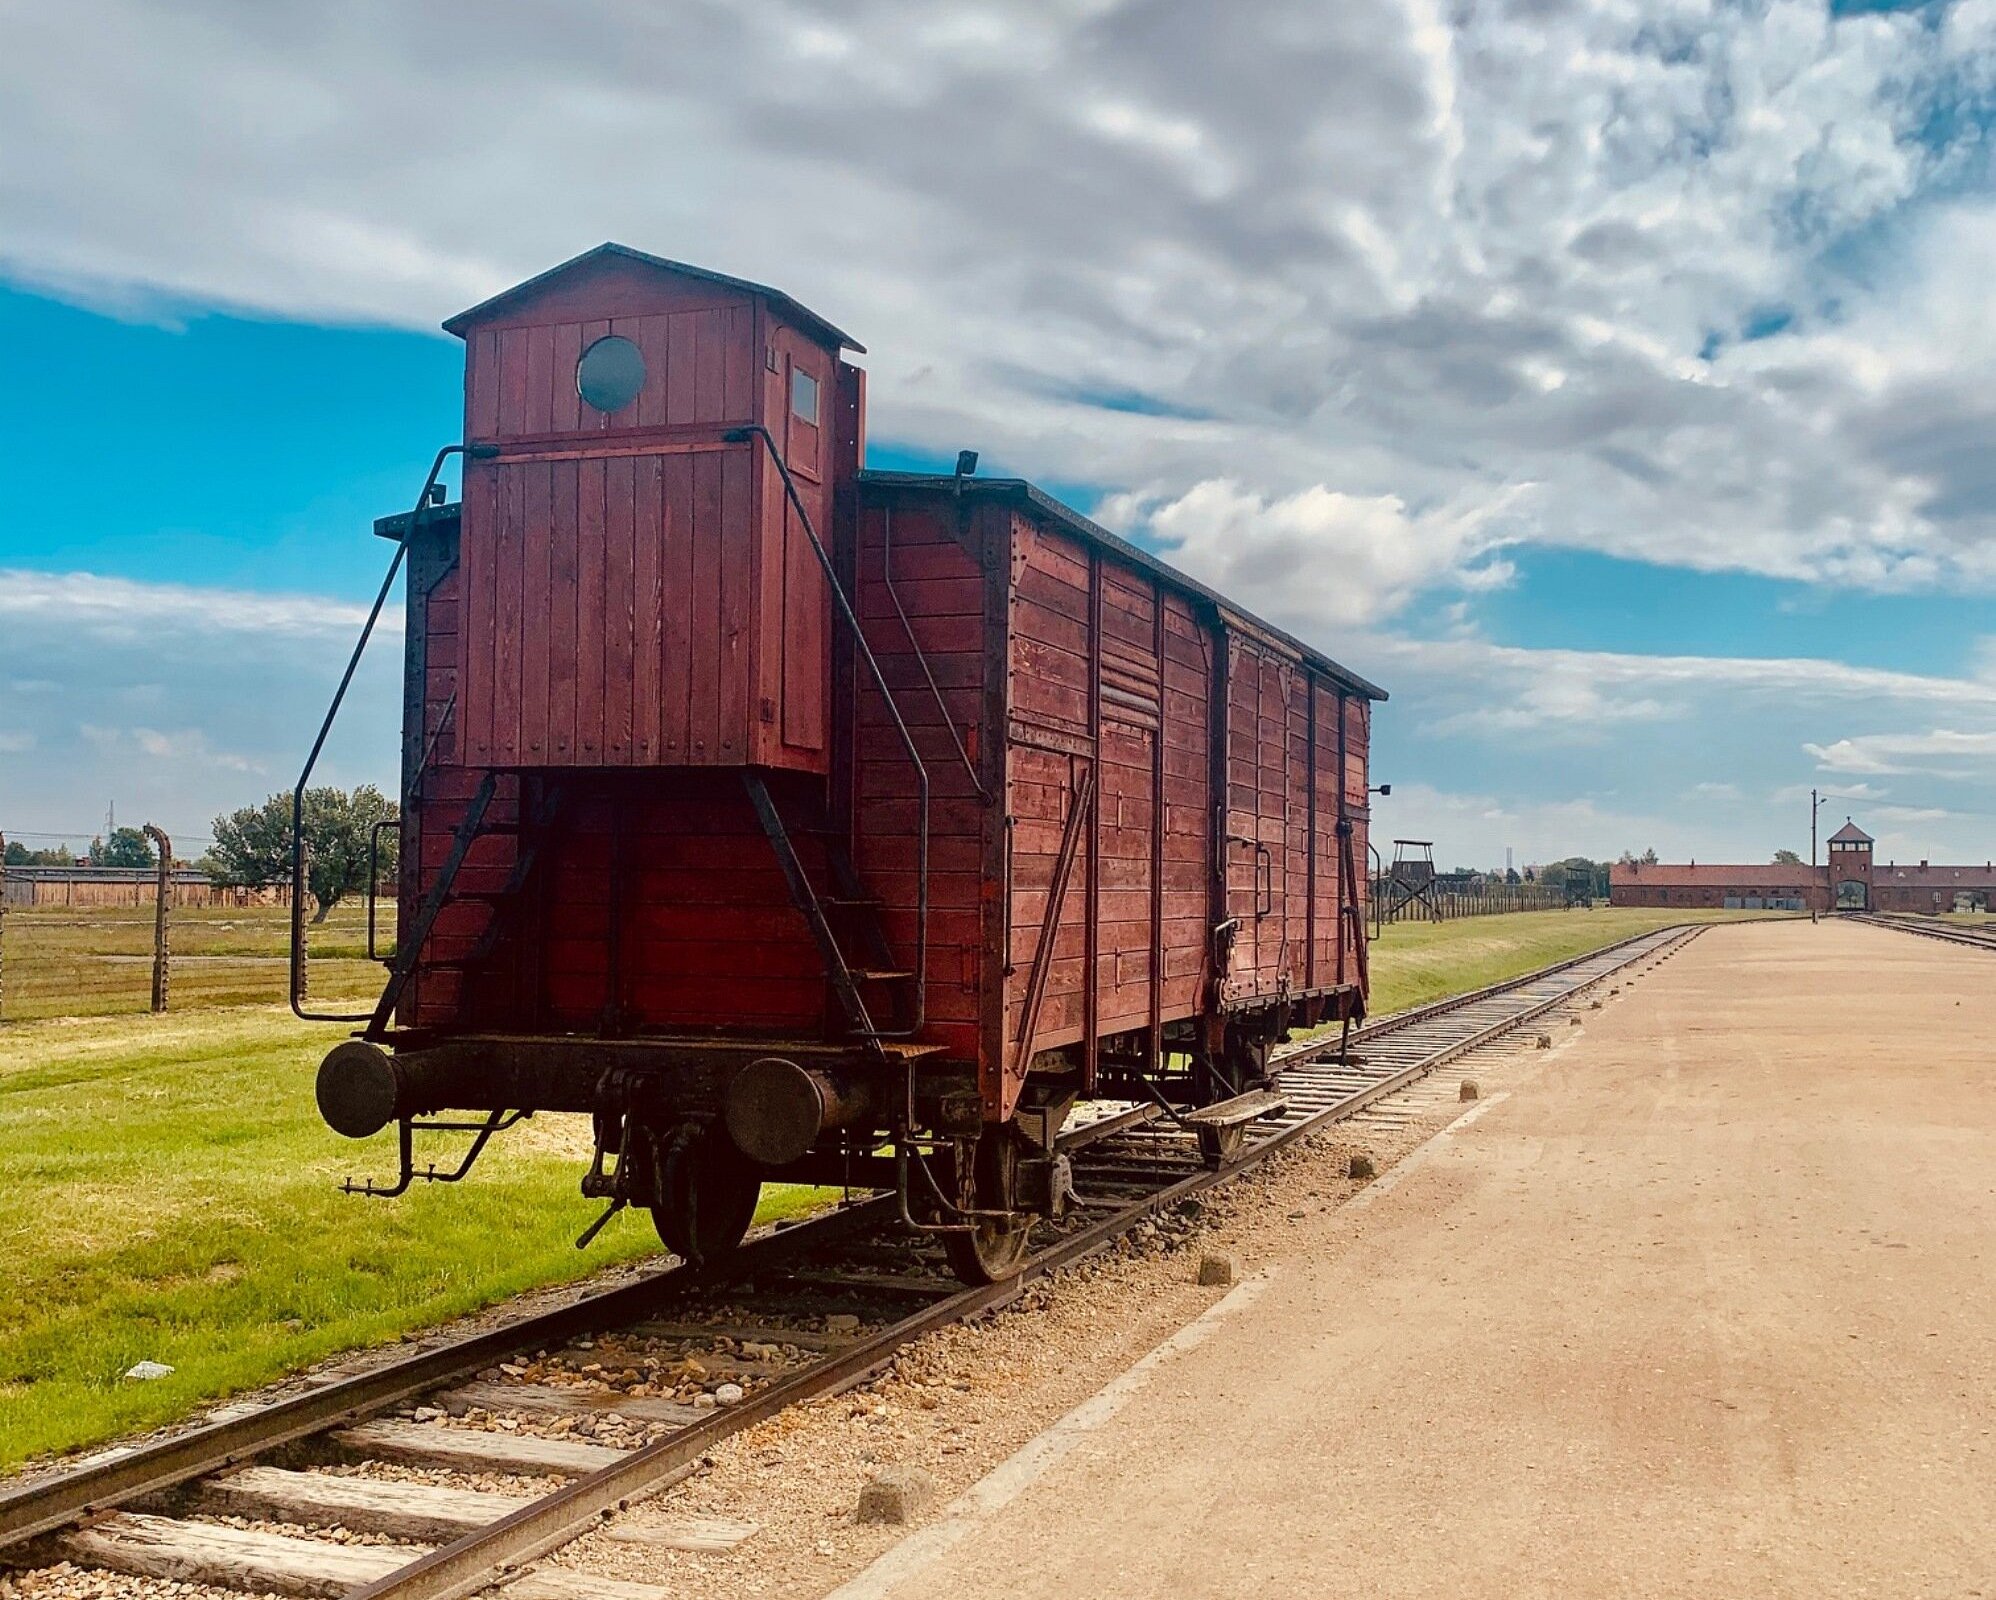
(146, 1371)
(1215, 1272)
(894, 1495)
(1362, 1167)
(1469, 1090)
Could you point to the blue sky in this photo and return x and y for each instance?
(1617, 394)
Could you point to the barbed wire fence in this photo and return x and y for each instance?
(1441, 901)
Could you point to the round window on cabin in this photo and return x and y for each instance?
(610, 373)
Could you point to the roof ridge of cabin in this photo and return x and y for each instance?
(610, 248)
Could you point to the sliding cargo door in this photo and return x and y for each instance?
(1265, 831)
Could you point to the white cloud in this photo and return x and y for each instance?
(15, 744)
(128, 609)
(1328, 557)
(1904, 752)
(190, 744)
(1475, 829)
(1497, 255)
(1584, 695)
(179, 703)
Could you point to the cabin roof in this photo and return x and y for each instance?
(1019, 491)
(541, 280)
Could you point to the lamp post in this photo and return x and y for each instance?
(1379, 871)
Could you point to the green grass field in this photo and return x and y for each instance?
(60, 963)
(1416, 962)
(172, 1194)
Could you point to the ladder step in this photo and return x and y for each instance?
(871, 975)
(860, 903)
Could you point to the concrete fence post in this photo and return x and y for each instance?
(162, 906)
(3, 924)
(303, 877)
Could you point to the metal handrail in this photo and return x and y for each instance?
(921, 655)
(743, 435)
(475, 452)
(412, 787)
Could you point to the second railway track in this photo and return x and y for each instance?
(798, 1314)
(1977, 936)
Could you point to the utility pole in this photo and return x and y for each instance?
(1816, 804)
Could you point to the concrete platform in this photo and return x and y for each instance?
(1705, 1306)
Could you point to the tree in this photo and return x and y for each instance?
(1787, 858)
(19, 855)
(253, 845)
(1649, 858)
(127, 847)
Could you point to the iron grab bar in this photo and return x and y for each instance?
(742, 435)
(474, 452)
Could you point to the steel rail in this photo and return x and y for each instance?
(47, 1503)
(1972, 938)
(478, 1559)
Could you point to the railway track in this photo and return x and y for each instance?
(581, 1411)
(1977, 936)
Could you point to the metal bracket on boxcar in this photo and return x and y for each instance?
(1224, 934)
(904, 1149)
(497, 1122)
(1264, 875)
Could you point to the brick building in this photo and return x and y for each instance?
(1849, 881)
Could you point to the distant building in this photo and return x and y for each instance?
(1850, 881)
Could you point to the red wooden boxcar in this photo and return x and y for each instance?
(780, 812)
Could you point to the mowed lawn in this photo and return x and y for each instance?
(90, 963)
(171, 1194)
(1414, 963)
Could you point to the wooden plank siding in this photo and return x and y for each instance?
(937, 575)
(1105, 670)
(650, 591)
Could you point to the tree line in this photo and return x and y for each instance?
(252, 845)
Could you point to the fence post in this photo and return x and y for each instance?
(302, 877)
(3, 924)
(162, 898)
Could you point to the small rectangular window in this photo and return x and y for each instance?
(804, 395)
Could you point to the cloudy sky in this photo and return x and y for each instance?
(1611, 380)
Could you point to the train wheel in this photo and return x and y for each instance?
(994, 1249)
(706, 1195)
